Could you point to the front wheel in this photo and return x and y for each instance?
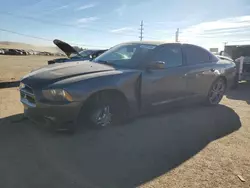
(236, 82)
(104, 110)
(102, 115)
(216, 92)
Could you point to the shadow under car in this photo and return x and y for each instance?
(122, 156)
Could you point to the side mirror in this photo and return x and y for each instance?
(156, 65)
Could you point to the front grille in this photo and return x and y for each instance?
(27, 89)
(51, 62)
(27, 96)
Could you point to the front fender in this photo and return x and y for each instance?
(124, 81)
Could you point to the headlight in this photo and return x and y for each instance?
(57, 95)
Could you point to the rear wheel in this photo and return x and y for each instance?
(216, 92)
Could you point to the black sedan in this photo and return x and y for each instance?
(12, 52)
(73, 54)
(127, 80)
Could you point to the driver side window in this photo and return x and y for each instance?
(122, 53)
(170, 54)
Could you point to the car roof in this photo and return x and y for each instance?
(158, 43)
(147, 42)
(95, 49)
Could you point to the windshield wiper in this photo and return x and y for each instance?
(104, 62)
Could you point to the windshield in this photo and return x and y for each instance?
(125, 55)
(84, 53)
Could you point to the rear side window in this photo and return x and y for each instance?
(196, 55)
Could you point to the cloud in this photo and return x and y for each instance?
(54, 10)
(231, 29)
(122, 30)
(164, 31)
(62, 7)
(87, 20)
(220, 26)
(120, 10)
(168, 23)
(87, 6)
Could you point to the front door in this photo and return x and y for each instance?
(161, 86)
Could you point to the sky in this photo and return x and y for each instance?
(102, 24)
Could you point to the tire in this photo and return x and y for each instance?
(216, 92)
(104, 110)
(236, 82)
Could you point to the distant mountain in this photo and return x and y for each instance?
(24, 46)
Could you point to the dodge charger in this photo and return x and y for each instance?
(125, 81)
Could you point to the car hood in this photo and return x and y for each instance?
(56, 72)
(65, 47)
(64, 60)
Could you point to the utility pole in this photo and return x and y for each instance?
(225, 43)
(141, 31)
(177, 35)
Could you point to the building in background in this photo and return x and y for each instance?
(214, 50)
(241, 55)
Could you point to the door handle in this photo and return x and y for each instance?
(184, 76)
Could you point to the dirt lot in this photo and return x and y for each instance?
(14, 67)
(193, 147)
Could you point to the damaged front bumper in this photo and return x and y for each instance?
(57, 115)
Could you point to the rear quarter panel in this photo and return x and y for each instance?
(201, 77)
(228, 70)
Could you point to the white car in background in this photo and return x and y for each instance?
(2, 52)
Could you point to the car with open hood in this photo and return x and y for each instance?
(128, 80)
(73, 55)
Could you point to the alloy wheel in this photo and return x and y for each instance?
(102, 117)
(217, 91)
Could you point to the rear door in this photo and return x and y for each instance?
(201, 69)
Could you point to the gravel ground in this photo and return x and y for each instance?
(14, 67)
(192, 146)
